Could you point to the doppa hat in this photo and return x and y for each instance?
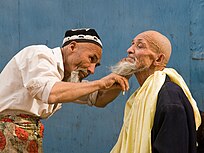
(82, 35)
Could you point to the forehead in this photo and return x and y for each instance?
(140, 38)
(147, 42)
(93, 49)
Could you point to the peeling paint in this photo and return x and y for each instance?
(198, 55)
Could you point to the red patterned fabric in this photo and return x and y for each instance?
(20, 133)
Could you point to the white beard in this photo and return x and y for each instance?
(126, 68)
(74, 77)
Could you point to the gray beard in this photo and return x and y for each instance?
(74, 77)
(126, 68)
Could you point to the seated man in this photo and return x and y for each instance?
(161, 116)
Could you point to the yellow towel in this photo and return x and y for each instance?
(135, 135)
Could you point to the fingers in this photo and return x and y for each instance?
(115, 79)
(122, 81)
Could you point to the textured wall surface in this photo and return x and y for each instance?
(197, 51)
(83, 129)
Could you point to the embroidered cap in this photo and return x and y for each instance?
(82, 35)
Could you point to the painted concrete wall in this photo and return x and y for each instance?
(82, 129)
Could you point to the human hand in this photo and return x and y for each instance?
(114, 80)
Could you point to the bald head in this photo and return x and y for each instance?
(141, 55)
(158, 42)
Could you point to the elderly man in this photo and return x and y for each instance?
(37, 80)
(161, 116)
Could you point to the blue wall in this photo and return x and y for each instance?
(82, 129)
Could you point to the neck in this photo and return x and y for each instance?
(143, 75)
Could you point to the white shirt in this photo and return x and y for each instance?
(26, 81)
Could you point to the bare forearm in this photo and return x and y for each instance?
(107, 96)
(68, 92)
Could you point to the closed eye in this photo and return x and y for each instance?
(140, 45)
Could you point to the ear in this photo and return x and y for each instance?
(159, 61)
(73, 45)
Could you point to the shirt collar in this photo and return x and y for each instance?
(58, 55)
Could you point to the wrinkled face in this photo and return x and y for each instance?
(141, 53)
(84, 58)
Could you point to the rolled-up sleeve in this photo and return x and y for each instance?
(40, 88)
(39, 73)
(92, 98)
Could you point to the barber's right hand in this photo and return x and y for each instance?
(114, 80)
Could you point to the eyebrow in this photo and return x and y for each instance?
(141, 41)
(138, 40)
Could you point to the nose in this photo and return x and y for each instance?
(91, 68)
(130, 50)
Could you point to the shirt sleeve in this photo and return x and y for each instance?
(39, 73)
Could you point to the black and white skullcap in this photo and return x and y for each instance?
(82, 35)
